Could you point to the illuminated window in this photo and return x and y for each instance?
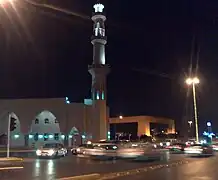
(46, 121)
(67, 100)
(102, 95)
(36, 137)
(97, 95)
(99, 29)
(45, 137)
(56, 136)
(36, 121)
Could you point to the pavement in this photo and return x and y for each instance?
(195, 169)
(46, 169)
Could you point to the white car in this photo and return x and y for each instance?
(103, 151)
(51, 150)
(199, 150)
(131, 152)
(215, 147)
(81, 149)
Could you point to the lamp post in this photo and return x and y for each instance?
(209, 129)
(193, 82)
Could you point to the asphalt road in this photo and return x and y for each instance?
(196, 169)
(44, 169)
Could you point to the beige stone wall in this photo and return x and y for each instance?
(68, 115)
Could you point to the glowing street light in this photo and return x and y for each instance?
(190, 123)
(120, 117)
(193, 82)
(5, 2)
(208, 124)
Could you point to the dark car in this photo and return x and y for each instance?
(177, 147)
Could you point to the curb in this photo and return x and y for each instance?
(141, 170)
(11, 168)
(17, 151)
(82, 177)
(10, 159)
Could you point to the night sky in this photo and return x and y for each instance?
(45, 53)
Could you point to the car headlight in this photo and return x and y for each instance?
(78, 149)
(155, 146)
(38, 152)
(168, 143)
(51, 152)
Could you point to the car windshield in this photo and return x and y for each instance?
(199, 145)
(109, 147)
(52, 145)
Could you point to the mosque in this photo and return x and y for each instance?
(57, 119)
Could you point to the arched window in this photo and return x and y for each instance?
(36, 137)
(56, 136)
(45, 136)
(46, 121)
(36, 121)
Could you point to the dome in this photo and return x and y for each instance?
(45, 122)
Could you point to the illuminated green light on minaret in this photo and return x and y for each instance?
(102, 95)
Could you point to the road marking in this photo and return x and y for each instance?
(140, 170)
(83, 177)
(9, 168)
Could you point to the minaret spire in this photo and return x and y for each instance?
(99, 70)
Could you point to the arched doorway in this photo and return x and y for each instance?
(74, 137)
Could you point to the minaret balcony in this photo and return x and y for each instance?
(99, 37)
(98, 13)
(98, 66)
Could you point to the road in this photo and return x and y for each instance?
(43, 169)
(196, 169)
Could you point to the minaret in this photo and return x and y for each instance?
(99, 71)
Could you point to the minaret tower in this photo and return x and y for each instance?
(99, 71)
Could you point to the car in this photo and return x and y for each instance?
(51, 150)
(177, 147)
(130, 152)
(215, 146)
(81, 149)
(103, 151)
(199, 150)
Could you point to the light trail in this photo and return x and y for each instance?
(58, 9)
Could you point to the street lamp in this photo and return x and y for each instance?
(193, 82)
(208, 124)
(190, 123)
(120, 117)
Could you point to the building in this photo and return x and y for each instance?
(140, 125)
(50, 120)
(42, 120)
